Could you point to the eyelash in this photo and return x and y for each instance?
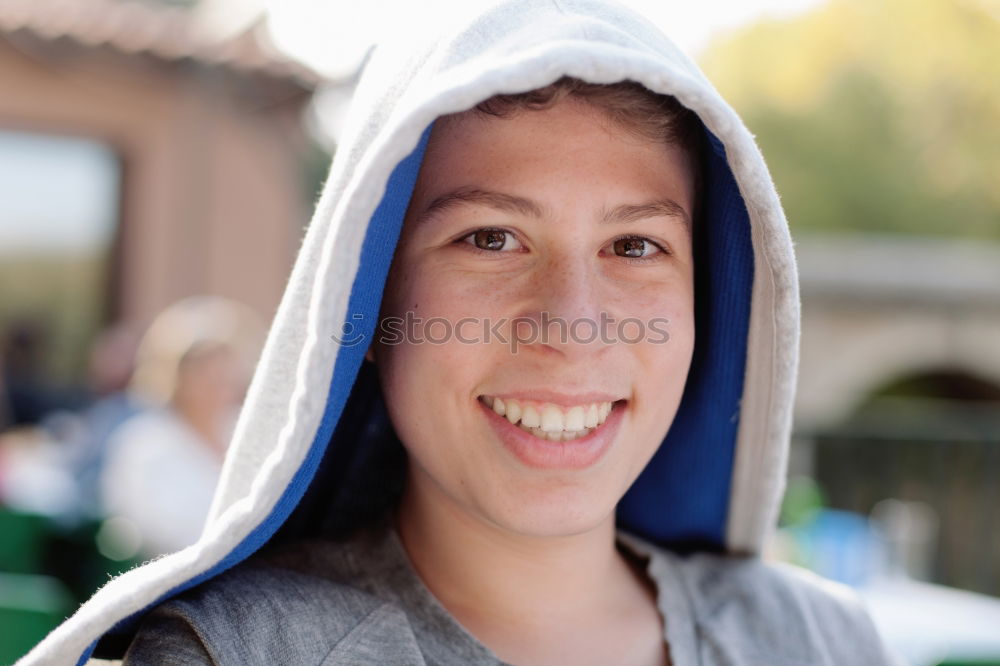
(643, 260)
(631, 260)
(479, 250)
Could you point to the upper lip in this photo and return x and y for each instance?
(556, 397)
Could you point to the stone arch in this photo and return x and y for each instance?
(942, 383)
(850, 354)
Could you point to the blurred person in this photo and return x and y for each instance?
(5, 407)
(163, 464)
(393, 499)
(112, 361)
(34, 477)
(109, 371)
(35, 418)
(29, 395)
(56, 465)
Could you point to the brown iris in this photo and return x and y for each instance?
(490, 239)
(630, 247)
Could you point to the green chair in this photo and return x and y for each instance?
(30, 607)
(23, 543)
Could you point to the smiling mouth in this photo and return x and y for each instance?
(552, 422)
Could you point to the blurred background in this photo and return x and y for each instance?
(159, 160)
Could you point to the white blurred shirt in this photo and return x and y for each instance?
(160, 475)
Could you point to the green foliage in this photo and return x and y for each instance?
(875, 115)
(803, 501)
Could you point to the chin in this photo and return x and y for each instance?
(563, 509)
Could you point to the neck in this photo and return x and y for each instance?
(487, 576)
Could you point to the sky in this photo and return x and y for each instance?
(332, 35)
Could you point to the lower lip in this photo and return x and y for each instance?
(541, 453)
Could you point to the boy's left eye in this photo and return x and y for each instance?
(492, 240)
(635, 247)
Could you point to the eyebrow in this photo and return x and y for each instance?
(510, 203)
(507, 203)
(661, 208)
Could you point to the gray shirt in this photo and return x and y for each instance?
(360, 602)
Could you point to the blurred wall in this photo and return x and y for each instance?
(212, 164)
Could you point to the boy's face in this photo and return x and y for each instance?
(551, 194)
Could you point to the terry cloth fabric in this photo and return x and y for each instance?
(361, 602)
(313, 427)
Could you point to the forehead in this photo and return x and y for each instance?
(571, 149)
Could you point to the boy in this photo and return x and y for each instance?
(512, 489)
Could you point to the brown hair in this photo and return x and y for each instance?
(629, 105)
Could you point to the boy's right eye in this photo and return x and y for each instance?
(492, 240)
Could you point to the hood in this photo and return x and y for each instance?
(313, 423)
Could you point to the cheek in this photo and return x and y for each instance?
(417, 376)
(443, 290)
(659, 310)
(664, 356)
(424, 306)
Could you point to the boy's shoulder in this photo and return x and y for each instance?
(297, 605)
(746, 609)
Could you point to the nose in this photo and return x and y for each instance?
(568, 315)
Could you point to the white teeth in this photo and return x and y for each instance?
(530, 417)
(562, 436)
(513, 412)
(552, 419)
(604, 411)
(574, 419)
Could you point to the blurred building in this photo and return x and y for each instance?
(879, 309)
(145, 158)
(899, 391)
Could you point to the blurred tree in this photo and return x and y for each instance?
(875, 115)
